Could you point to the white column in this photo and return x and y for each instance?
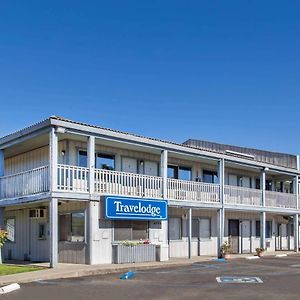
(263, 229)
(1, 167)
(164, 247)
(190, 232)
(296, 232)
(53, 216)
(53, 159)
(164, 172)
(91, 163)
(92, 227)
(296, 190)
(263, 214)
(221, 211)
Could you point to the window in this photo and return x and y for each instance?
(257, 183)
(71, 227)
(201, 228)
(82, 158)
(10, 225)
(257, 228)
(182, 173)
(210, 176)
(173, 172)
(130, 230)
(42, 231)
(175, 228)
(185, 173)
(268, 229)
(106, 162)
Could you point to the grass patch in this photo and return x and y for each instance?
(10, 269)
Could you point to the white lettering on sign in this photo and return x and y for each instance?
(138, 209)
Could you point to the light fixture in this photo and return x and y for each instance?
(63, 152)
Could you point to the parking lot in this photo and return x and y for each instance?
(280, 280)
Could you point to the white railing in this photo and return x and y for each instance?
(242, 196)
(283, 200)
(193, 191)
(72, 178)
(121, 183)
(25, 183)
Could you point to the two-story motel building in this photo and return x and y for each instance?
(56, 177)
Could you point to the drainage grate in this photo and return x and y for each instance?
(238, 279)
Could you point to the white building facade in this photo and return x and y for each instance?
(71, 192)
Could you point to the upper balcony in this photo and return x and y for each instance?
(75, 179)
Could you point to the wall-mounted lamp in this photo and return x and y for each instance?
(141, 162)
(63, 152)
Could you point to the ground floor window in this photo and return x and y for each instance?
(72, 227)
(10, 225)
(175, 232)
(268, 229)
(201, 228)
(131, 230)
(42, 231)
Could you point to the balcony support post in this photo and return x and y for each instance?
(53, 159)
(53, 216)
(263, 229)
(1, 167)
(91, 163)
(221, 211)
(164, 172)
(296, 190)
(190, 232)
(296, 233)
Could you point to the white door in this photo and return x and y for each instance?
(151, 168)
(129, 165)
(284, 237)
(246, 236)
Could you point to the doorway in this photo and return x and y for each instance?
(246, 236)
(233, 234)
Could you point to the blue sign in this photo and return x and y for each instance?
(135, 209)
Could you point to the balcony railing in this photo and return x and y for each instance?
(193, 191)
(284, 200)
(121, 183)
(242, 196)
(72, 178)
(107, 182)
(25, 183)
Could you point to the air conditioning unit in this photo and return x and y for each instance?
(38, 213)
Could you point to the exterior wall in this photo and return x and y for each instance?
(179, 248)
(27, 246)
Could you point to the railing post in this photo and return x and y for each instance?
(1, 170)
(53, 159)
(164, 172)
(221, 211)
(263, 213)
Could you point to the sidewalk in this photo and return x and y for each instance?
(64, 270)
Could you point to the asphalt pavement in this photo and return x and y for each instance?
(278, 278)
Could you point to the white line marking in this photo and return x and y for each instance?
(281, 255)
(252, 257)
(9, 288)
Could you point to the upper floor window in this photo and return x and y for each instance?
(210, 176)
(179, 172)
(82, 158)
(104, 161)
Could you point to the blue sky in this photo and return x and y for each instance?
(224, 71)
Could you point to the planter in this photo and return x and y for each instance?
(133, 253)
(226, 256)
(260, 254)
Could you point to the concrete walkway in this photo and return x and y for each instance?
(74, 270)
